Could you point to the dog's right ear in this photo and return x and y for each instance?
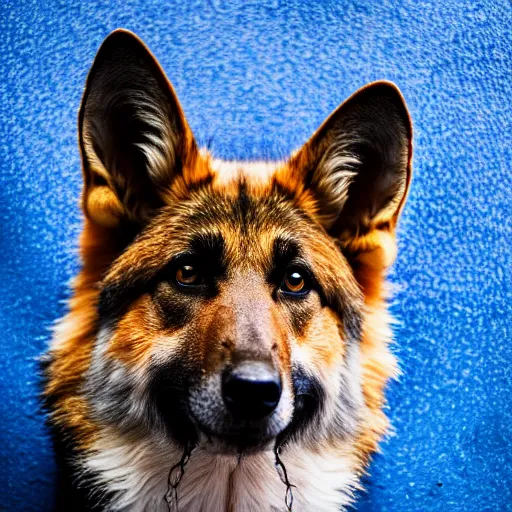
(134, 138)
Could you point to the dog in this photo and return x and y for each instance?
(226, 345)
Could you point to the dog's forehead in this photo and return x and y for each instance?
(243, 203)
(243, 215)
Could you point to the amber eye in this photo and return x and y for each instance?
(294, 282)
(187, 275)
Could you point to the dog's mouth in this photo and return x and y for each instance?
(252, 437)
(245, 441)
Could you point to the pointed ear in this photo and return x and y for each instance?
(134, 138)
(358, 167)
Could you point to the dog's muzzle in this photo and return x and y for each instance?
(242, 406)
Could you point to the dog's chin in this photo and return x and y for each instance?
(227, 439)
(234, 443)
(246, 439)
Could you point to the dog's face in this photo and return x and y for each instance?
(232, 313)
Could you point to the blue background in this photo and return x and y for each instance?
(255, 79)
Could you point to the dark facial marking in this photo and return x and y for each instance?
(168, 394)
(242, 206)
(308, 404)
(116, 296)
(210, 248)
(176, 310)
(284, 251)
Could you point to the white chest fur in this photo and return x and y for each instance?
(137, 474)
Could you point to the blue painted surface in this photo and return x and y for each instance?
(255, 79)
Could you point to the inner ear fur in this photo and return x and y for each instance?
(356, 170)
(134, 137)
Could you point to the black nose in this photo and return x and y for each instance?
(251, 390)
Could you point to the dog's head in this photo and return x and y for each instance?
(233, 311)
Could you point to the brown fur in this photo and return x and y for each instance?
(350, 261)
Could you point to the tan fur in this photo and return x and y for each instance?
(76, 337)
(349, 251)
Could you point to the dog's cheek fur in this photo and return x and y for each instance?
(329, 356)
(378, 363)
(71, 350)
(116, 384)
(142, 368)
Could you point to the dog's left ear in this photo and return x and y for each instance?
(357, 167)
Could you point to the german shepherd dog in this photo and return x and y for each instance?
(226, 345)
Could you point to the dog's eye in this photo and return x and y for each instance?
(187, 275)
(294, 282)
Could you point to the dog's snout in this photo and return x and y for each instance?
(251, 390)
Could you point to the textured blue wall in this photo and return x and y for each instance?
(255, 79)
